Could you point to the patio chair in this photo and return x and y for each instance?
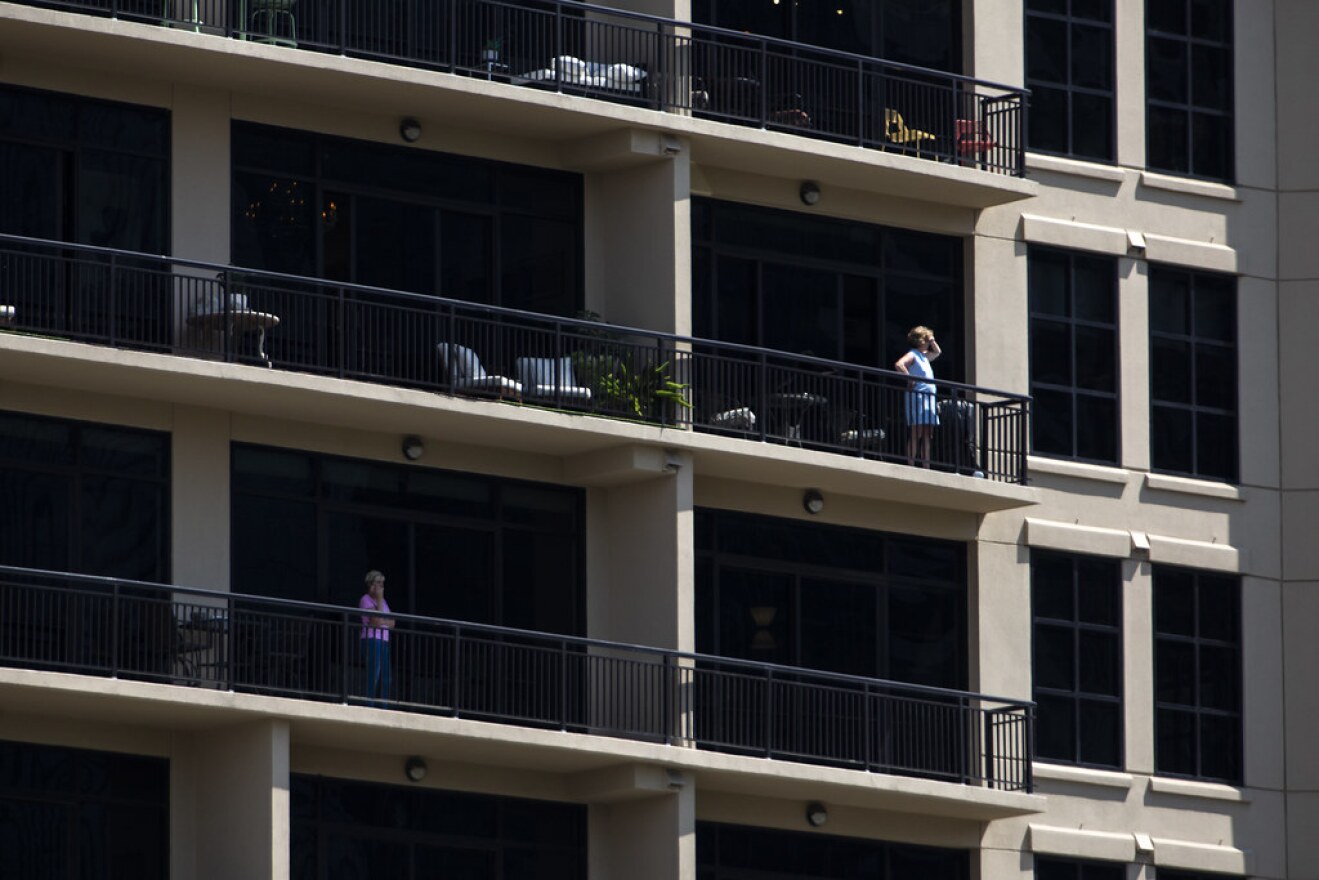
(972, 141)
(550, 378)
(896, 131)
(466, 375)
(856, 433)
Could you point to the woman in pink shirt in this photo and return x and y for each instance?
(375, 638)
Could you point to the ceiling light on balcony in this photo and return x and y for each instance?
(812, 501)
(809, 192)
(816, 814)
(415, 768)
(409, 129)
(413, 448)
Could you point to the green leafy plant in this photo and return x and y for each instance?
(640, 391)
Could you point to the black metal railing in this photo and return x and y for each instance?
(157, 633)
(349, 331)
(615, 55)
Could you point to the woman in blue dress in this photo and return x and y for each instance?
(922, 414)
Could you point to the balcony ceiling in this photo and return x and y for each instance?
(568, 765)
(562, 122)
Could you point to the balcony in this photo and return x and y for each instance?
(624, 57)
(83, 625)
(201, 310)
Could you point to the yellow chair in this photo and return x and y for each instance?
(897, 132)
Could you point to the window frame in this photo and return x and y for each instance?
(1198, 643)
(1070, 21)
(1194, 341)
(1075, 694)
(1188, 108)
(1072, 322)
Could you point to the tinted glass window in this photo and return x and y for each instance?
(1077, 657)
(73, 812)
(733, 852)
(95, 497)
(406, 219)
(1197, 674)
(343, 829)
(94, 172)
(1188, 82)
(1069, 69)
(1073, 355)
(849, 292)
(1193, 373)
(779, 590)
(452, 545)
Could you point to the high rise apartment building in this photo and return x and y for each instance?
(579, 324)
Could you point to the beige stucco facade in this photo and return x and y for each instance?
(231, 754)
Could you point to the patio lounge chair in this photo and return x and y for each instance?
(550, 378)
(466, 375)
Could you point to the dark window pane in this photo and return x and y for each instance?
(1092, 57)
(1168, 147)
(1095, 291)
(1099, 591)
(1175, 743)
(1211, 72)
(1055, 727)
(1101, 664)
(1051, 422)
(1166, 71)
(1216, 446)
(1212, 138)
(1174, 663)
(1219, 679)
(1097, 428)
(1220, 608)
(1216, 307)
(1095, 10)
(1215, 377)
(1046, 50)
(1170, 302)
(1168, 16)
(1170, 371)
(1096, 356)
(1051, 586)
(1101, 733)
(1092, 126)
(1174, 602)
(1055, 657)
(1211, 19)
(1049, 121)
(1173, 447)
(1050, 352)
(1048, 276)
(1220, 747)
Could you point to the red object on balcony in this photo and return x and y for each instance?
(971, 138)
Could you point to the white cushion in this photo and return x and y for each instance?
(571, 68)
(743, 418)
(461, 361)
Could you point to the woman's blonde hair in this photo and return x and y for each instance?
(917, 335)
(372, 575)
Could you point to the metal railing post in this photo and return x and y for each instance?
(345, 627)
(457, 670)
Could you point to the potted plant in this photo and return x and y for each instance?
(491, 52)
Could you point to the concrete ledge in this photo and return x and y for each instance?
(1084, 844)
(1050, 535)
(1083, 776)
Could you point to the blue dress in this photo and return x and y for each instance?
(921, 409)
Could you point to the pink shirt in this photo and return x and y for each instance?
(369, 604)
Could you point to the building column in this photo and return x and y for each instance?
(229, 803)
(199, 499)
(653, 838)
